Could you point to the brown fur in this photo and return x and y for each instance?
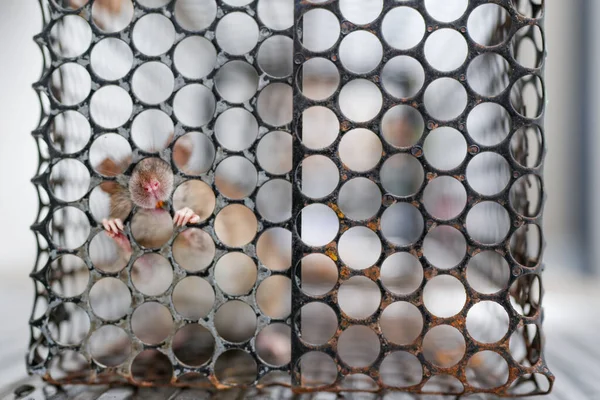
(145, 171)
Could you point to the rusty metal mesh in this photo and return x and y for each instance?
(398, 248)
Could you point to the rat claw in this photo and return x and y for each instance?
(188, 215)
(181, 221)
(109, 228)
(112, 226)
(181, 216)
(184, 216)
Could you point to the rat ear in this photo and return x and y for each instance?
(109, 167)
(182, 151)
(109, 187)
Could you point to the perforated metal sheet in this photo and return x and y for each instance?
(118, 347)
(412, 206)
(442, 94)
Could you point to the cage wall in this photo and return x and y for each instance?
(367, 177)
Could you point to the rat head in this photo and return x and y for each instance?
(151, 183)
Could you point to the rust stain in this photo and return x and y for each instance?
(337, 210)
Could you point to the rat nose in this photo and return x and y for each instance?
(152, 186)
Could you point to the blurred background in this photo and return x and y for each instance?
(572, 208)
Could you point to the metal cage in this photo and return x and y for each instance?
(368, 175)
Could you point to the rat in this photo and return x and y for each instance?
(149, 188)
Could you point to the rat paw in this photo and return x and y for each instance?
(113, 226)
(184, 216)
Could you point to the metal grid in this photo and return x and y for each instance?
(159, 361)
(69, 312)
(414, 362)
